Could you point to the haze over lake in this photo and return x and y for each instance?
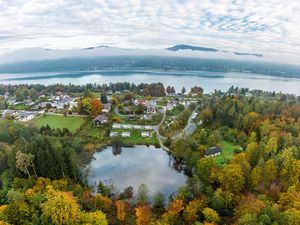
(208, 80)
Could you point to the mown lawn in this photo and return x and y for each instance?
(56, 121)
(96, 133)
(135, 138)
(226, 154)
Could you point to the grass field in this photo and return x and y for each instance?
(136, 139)
(227, 153)
(94, 135)
(56, 121)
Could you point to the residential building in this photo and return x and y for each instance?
(26, 116)
(114, 134)
(116, 126)
(100, 120)
(213, 152)
(106, 108)
(145, 134)
(126, 134)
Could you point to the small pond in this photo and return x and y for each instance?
(133, 166)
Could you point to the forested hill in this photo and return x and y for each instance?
(152, 62)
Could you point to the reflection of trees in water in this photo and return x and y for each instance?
(116, 148)
(179, 165)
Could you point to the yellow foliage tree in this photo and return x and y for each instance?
(232, 178)
(143, 215)
(103, 203)
(211, 215)
(61, 208)
(93, 218)
(120, 205)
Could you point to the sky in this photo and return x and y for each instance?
(269, 27)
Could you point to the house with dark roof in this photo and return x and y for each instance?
(100, 120)
(213, 152)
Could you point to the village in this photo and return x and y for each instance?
(123, 116)
(132, 115)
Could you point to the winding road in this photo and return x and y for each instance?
(188, 130)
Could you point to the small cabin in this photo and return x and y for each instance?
(126, 134)
(113, 134)
(213, 152)
(100, 120)
(145, 134)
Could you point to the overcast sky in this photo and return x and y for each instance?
(270, 27)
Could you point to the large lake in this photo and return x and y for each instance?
(208, 80)
(135, 166)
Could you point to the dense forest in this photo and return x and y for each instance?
(43, 181)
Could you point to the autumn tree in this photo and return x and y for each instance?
(120, 206)
(61, 208)
(211, 215)
(93, 218)
(103, 203)
(23, 161)
(96, 107)
(143, 215)
(232, 178)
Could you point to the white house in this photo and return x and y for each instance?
(125, 134)
(148, 128)
(113, 134)
(137, 127)
(145, 134)
(116, 126)
(126, 126)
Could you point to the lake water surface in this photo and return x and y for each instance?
(135, 166)
(208, 80)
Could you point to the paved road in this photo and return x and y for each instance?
(160, 137)
(189, 128)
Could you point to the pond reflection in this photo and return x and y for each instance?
(133, 166)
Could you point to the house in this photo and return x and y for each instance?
(148, 128)
(113, 134)
(59, 105)
(44, 104)
(126, 126)
(26, 116)
(213, 152)
(9, 113)
(145, 117)
(11, 101)
(106, 108)
(172, 104)
(131, 117)
(125, 134)
(100, 120)
(137, 127)
(145, 134)
(151, 106)
(169, 106)
(116, 126)
(140, 102)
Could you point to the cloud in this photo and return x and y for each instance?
(267, 27)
